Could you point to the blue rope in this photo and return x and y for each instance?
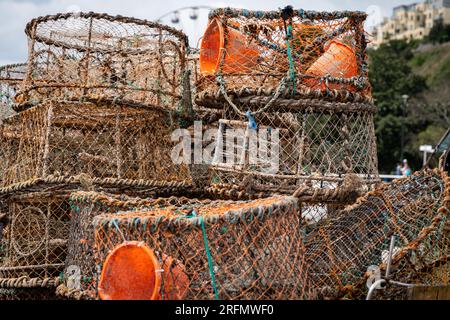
(251, 120)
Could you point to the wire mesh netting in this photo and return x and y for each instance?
(255, 246)
(297, 110)
(85, 206)
(327, 150)
(289, 93)
(35, 225)
(98, 55)
(340, 250)
(193, 65)
(263, 53)
(11, 77)
(35, 238)
(102, 140)
(98, 100)
(33, 294)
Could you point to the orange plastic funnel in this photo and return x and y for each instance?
(338, 61)
(130, 273)
(240, 56)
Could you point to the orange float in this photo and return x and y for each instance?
(338, 61)
(240, 56)
(132, 272)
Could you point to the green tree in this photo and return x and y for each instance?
(439, 33)
(391, 77)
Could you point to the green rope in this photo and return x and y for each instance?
(291, 60)
(208, 255)
(61, 276)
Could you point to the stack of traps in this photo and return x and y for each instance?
(260, 249)
(101, 95)
(96, 102)
(296, 102)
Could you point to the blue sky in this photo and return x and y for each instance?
(14, 14)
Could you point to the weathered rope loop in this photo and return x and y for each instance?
(27, 282)
(276, 95)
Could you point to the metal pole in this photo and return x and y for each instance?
(391, 250)
(388, 271)
(386, 281)
(402, 133)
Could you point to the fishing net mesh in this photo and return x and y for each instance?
(34, 237)
(288, 151)
(98, 100)
(341, 252)
(295, 99)
(11, 77)
(100, 140)
(255, 245)
(263, 53)
(37, 225)
(95, 55)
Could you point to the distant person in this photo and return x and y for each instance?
(406, 170)
(398, 169)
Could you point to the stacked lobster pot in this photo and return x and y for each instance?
(99, 98)
(185, 248)
(297, 111)
(296, 119)
(87, 177)
(402, 226)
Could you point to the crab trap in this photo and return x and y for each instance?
(341, 252)
(36, 221)
(101, 140)
(253, 57)
(293, 89)
(73, 55)
(327, 155)
(185, 248)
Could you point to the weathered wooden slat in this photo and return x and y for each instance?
(429, 293)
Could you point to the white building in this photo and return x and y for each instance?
(412, 21)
